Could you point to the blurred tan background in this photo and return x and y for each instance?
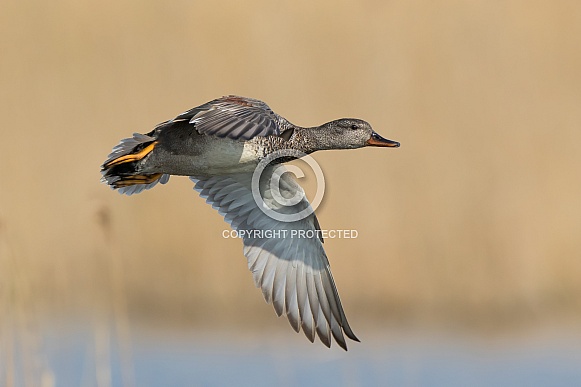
(475, 221)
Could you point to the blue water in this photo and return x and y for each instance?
(82, 357)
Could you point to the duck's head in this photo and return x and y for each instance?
(350, 133)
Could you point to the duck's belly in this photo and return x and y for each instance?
(203, 155)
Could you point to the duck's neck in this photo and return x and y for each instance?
(307, 140)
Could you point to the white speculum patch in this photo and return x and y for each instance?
(249, 153)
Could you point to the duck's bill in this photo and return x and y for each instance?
(377, 140)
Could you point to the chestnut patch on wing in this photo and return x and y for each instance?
(237, 100)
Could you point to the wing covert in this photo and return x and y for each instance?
(235, 117)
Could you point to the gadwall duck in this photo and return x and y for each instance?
(220, 145)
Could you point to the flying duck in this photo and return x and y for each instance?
(221, 145)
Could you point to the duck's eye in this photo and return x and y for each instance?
(354, 126)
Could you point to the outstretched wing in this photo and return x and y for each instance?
(287, 259)
(239, 118)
